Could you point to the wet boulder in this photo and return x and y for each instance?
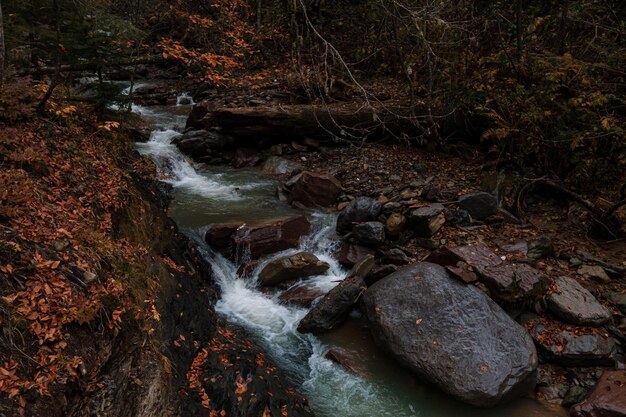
(311, 190)
(219, 236)
(349, 254)
(570, 345)
(369, 233)
(608, 398)
(571, 302)
(426, 221)
(275, 165)
(451, 334)
(302, 295)
(334, 308)
(362, 209)
(255, 241)
(507, 282)
(200, 143)
(346, 359)
(299, 265)
(479, 205)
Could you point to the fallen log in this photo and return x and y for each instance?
(338, 121)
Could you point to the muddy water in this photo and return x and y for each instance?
(203, 196)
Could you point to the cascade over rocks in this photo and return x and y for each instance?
(299, 265)
(219, 235)
(270, 237)
(571, 302)
(261, 239)
(451, 334)
(362, 209)
(333, 309)
(507, 282)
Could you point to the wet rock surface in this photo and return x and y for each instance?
(608, 398)
(574, 304)
(301, 295)
(572, 346)
(271, 237)
(333, 309)
(451, 334)
(349, 254)
(507, 282)
(299, 265)
(311, 190)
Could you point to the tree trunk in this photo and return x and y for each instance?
(2, 50)
(57, 72)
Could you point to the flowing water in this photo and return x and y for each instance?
(206, 195)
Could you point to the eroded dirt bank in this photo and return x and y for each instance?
(153, 346)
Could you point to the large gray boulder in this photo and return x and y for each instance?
(362, 209)
(451, 334)
(571, 302)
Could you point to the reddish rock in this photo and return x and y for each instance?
(302, 296)
(245, 157)
(246, 269)
(311, 190)
(299, 265)
(349, 254)
(219, 235)
(608, 398)
(256, 241)
(346, 359)
(506, 281)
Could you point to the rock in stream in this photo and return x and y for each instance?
(451, 334)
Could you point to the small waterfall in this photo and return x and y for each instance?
(184, 99)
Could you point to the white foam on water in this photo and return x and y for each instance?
(184, 99)
(181, 172)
